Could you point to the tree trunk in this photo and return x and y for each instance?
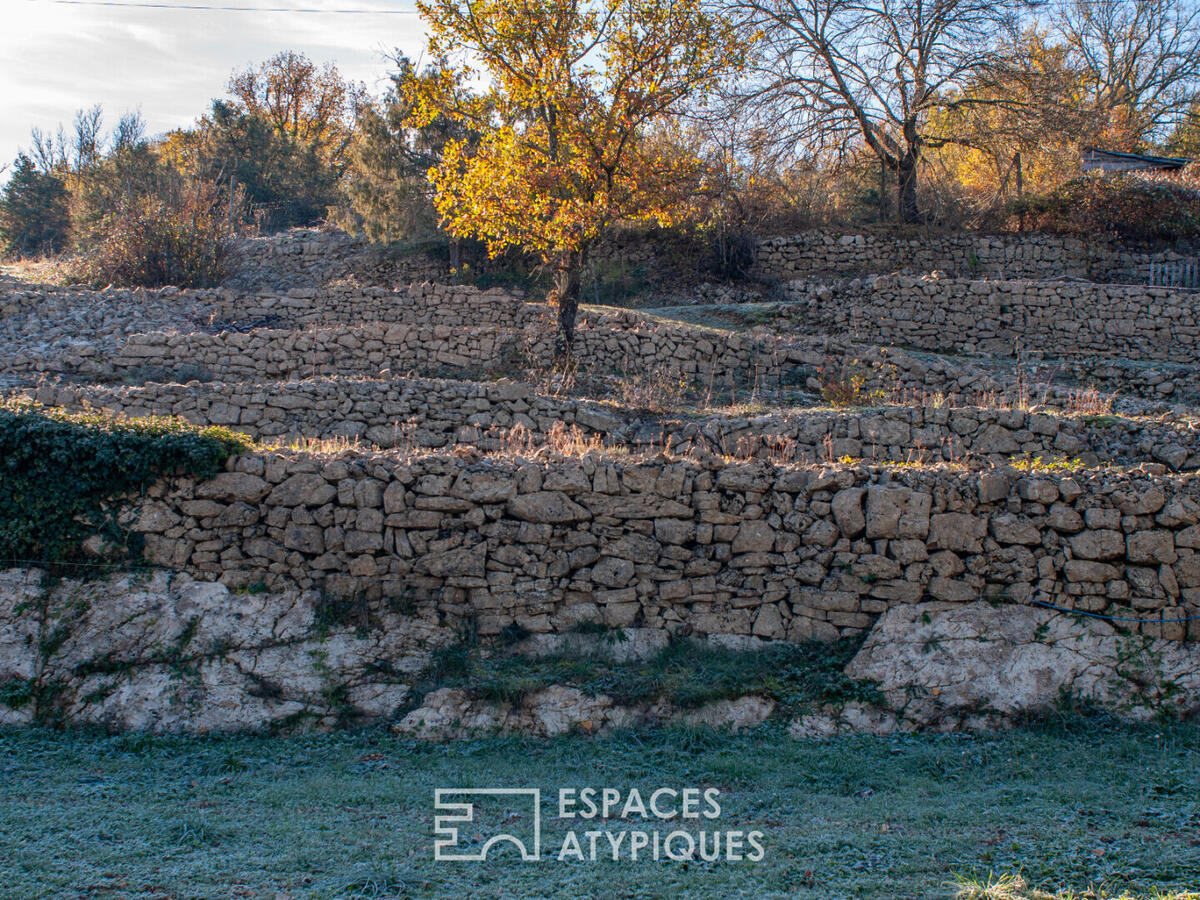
(906, 173)
(883, 192)
(568, 284)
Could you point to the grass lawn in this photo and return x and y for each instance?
(1066, 807)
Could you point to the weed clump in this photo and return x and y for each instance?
(1054, 464)
(686, 673)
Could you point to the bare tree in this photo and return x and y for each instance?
(53, 151)
(87, 144)
(49, 151)
(1141, 59)
(842, 71)
(130, 131)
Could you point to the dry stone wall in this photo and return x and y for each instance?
(185, 335)
(617, 341)
(1061, 319)
(313, 257)
(418, 304)
(307, 257)
(276, 354)
(431, 413)
(1124, 377)
(312, 588)
(42, 327)
(687, 546)
(1014, 256)
(606, 343)
(89, 332)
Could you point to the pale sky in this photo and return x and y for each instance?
(56, 57)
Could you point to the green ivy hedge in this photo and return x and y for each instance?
(65, 477)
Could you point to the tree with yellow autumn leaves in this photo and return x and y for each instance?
(577, 101)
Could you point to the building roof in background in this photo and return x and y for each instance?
(1112, 161)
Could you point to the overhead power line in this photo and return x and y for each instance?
(145, 4)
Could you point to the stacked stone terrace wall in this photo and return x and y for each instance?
(1176, 383)
(622, 342)
(432, 413)
(423, 303)
(183, 335)
(41, 314)
(715, 548)
(78, 330)
(280, 354)
(1015, 256)
(311, 257)
(614, 343)
(1056, 318)
(306, 257)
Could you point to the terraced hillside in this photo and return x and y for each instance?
(424, 466)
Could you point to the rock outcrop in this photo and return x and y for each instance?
(946, 666)
(157, 651)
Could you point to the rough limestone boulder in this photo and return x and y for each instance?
(736, 715)
(946, 666)
(453, 714)
(159, 651)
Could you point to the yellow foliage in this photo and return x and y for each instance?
(575, 116)
(1034, 109)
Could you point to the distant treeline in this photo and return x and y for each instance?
(767, 117)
